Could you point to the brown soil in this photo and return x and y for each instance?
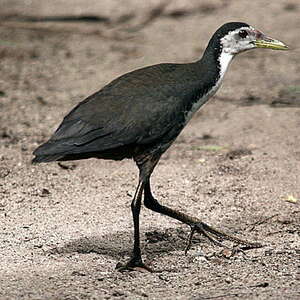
(65, 227)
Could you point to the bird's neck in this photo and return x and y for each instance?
(217, 60)
(212, 69)
(224, 60)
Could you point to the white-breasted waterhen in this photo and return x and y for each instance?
(140, 114)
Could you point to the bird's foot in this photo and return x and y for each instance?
(215, 236)
(134, 264)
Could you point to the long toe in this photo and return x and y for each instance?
(215, 235)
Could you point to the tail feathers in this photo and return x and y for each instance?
(53, 151)
(46, 158)
(48, 152)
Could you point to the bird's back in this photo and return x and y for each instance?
(143, 107)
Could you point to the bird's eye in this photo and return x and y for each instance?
(243, 33)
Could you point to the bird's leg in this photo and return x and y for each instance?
(196, 225)
(135, 262)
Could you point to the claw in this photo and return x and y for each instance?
(189, 243)
(213, 235)
(133, 265)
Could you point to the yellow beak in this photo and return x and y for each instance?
(266, 42)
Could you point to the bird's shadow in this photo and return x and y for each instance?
(119, 245)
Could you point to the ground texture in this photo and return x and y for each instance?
(236, 166)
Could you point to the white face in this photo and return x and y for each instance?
(239, 40)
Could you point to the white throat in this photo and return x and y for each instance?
(224, 60)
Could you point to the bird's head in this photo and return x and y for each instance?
(233, 38)
(236, 37)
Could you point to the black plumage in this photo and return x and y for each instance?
(138, 109)
(139, 115)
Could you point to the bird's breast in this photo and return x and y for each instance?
(202, 100)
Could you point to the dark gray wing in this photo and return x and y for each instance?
(137, 108)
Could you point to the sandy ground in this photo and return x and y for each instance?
(236, 166)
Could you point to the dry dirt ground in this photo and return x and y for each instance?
(236, 166)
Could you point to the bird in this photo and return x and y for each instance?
(141, 113)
